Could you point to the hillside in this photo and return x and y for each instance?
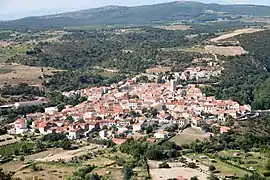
(246, 78)
(138, 15)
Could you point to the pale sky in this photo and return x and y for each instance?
(10, 9)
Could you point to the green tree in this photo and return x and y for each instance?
(194, 178)
(127, 172)
(212, 177)
(24, 149)
(212, 168)
(65, 144)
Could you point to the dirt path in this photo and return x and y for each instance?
(235, 33)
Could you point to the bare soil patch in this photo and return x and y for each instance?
(158, 70)
(24, 74)
(235, 33)
(175, 171)
(66, 155)
(174, 27)
(226, 51)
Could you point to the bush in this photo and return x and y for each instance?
(192, 165)
(212, 168)
(266, 174)
(164, 165)
(22, 158)
(34, 167)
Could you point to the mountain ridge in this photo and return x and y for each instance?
(139, 15)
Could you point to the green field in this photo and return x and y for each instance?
(9, 150)
(224, 168)
(255, 160)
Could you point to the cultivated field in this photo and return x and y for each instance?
(235, 33)
(175, 171)
(174, 27)
(222, 167)
(188, 136)
(14, 74)
(226, 51)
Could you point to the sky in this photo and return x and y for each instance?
(12, 9)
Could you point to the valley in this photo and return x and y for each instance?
(177, 90)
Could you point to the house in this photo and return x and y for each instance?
(161, 134)
(51, 110)
(182, 122)
(137, 127)
(75, 133)
(197, 122)
(20, 126)
(43, 127)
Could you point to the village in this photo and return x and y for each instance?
(126, 109)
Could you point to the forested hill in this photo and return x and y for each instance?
(247, 78)
(119, 15)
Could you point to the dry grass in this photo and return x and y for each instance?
(49, 172)
(226, 51)
(188, 136)
(174, 27)
(158, 70)
(175, 171)
(24, 74)
(66, 155)
(235, 33)
(100, 162)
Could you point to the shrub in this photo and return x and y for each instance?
(22, 158)
(192, 165)
(212, 168)
(164, 165)
(266, 174)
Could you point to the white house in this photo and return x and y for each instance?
(137, 127)
(161, 134)
(20, 126)
(51, 110)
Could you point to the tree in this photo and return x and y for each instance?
(254, 176)
(194, 178)
(70, 119)
(16, 152)
(60, 107)
(164, 165)
(39, 145)
(127, 172)
(267, 165)
(212, 177)
(22, 158)
(65, 144)
(92, 177)
(192, 165)
(212, 168)
(24, 148)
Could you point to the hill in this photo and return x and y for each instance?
(138, 15)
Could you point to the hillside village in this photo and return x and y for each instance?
(126, 109)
